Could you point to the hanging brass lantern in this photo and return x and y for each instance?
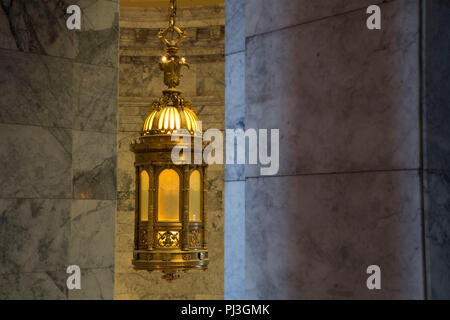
(170, 209)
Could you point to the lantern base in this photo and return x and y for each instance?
(170, 262)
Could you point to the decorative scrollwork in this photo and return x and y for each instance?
(195, 239)
(143, 238)
(168, 239)
(187, 256)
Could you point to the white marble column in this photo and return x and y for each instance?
(234, 173)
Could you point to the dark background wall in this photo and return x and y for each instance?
(436, 144)
(58, 108)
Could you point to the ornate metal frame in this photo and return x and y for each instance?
(169, 246)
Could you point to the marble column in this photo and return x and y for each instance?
(58, 141)
(235, 173)
(348, 192)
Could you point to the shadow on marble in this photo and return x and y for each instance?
(348, 103)
(312, 237)
(437, 85)
(437, 221)
(266, 15)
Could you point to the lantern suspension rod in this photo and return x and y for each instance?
(171, 63)
(172, 43)
(172, 13)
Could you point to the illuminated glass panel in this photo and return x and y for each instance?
(143, 195)
(168, 195)
(194, 196)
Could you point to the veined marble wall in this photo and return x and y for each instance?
(58, 125)
(349, 191)
(140, 83)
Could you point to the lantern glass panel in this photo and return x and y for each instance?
(194, 196)
(143, 195)
(168, 195)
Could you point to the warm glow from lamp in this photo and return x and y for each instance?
(143, 195)
(194, 196)
(168, 195)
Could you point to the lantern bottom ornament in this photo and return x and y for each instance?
(170, 263)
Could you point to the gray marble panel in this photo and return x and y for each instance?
(36, 162)
(347, 103)
(96, 284)
(95, 98)
(313, 236)
(50, 285)
(235, 91)
(437, 218)
(97, 42)
(437, 85)
(92, 233)
(94, 165)
(40, 27)
(235, 240)
(234, 172)
(234, 26)
(235, 105)
(34, 235)
(267, 15)
(35, 89)
(37, 27)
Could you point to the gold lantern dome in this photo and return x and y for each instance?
(171, 118)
